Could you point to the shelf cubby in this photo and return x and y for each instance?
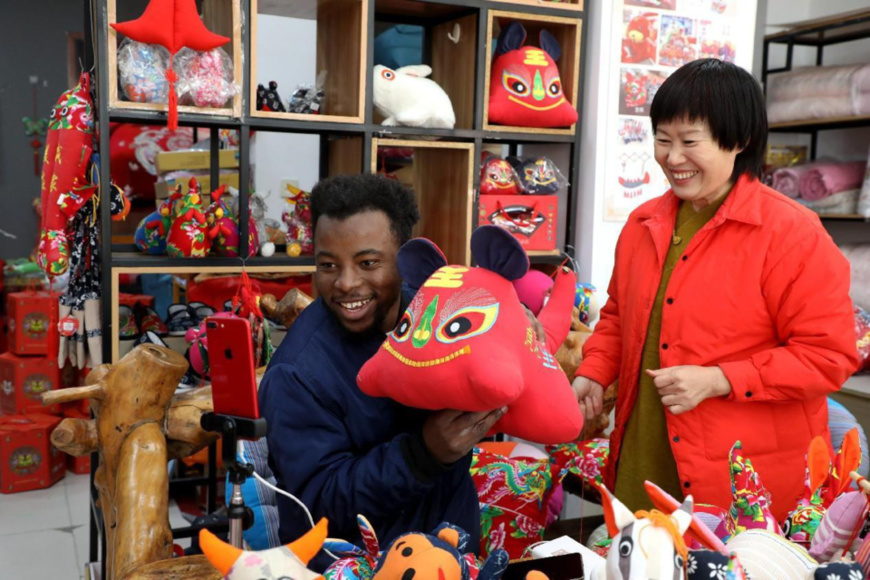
(442, 176)
(221, 17)
(571, 5)
(449, 47)
(119, 348)
(567, 32)
(341, 45)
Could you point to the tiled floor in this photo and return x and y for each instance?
(44, 533)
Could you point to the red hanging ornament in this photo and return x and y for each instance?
(36, 144)
(172, 24)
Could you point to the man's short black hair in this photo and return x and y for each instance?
(728, 98)
(345, 195)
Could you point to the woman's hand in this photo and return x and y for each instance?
(590, 395)
(682, 388)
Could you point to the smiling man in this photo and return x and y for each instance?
(340, 451)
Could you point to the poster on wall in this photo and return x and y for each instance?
(654, 38)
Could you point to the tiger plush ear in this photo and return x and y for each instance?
(455, 536)
(496, 250)
(550, 45)
(419, 258)
(511, 38)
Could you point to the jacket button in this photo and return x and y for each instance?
(685, 258)
(748, 394)
(677, 439)
(665, 346)
(686, 484)
(670, 300)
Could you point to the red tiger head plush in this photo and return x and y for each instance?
(525, 88)
(498, 177)
(465, 342)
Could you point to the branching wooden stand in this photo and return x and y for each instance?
(138, 426)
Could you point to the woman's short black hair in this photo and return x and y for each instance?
(345, 195)
(728, 98)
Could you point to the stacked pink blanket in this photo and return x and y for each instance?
(819, 93)
(816, 181)
(829, 178)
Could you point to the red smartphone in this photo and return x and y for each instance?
(231, 364)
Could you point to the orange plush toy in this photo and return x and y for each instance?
(465, 342)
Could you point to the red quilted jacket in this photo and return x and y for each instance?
(761, 291)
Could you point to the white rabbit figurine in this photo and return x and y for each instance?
(405, 97)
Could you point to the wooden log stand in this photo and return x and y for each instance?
(138, 425)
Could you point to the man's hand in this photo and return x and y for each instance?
(590, 395)
(683, 388)
(450, 435)
(537, 327)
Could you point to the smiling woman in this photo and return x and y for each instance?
(706, 326)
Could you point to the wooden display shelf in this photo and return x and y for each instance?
(442, 176)
(342, 45)
(187, 269)
(453, 63)
(567, 31)
(845, 217)
(831, 29)
(573, 5)
(820, 124)
(221, 17)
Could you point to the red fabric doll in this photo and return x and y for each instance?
(65, 184)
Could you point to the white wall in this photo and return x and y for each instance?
(596, 238)
(286, 55)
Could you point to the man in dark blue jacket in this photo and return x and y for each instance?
(338, 450)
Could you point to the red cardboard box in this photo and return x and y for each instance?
(23, 379)
(531, 219)
(78, 465)
(28, 460)
(31, 331)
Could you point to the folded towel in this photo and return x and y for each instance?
(787, 180)
(827, 81)
(861, 79)
(843, 203)
(864, 198)
(827, 179)
(818, 107)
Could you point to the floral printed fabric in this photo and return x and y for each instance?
(584, 459)
(750, 505)
(513, 497)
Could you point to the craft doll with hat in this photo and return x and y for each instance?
(188, 235)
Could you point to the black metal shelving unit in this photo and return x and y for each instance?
(818, 34)
(427, 13)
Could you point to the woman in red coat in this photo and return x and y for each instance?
(728, 315)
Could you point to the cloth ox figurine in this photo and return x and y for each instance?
(465, 342)
(288, 561)
(646, 545)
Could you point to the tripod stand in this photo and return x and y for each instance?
(232, 429)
